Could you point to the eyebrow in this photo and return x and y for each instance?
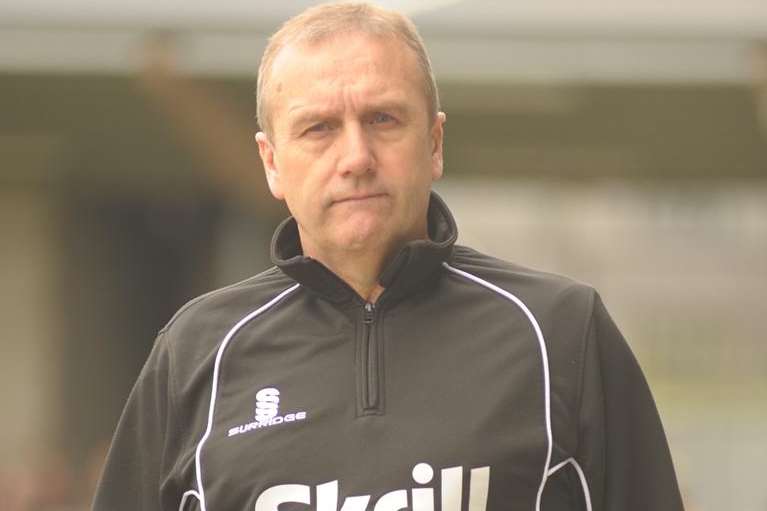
(308, 114)
(311, 114)
(399, 108)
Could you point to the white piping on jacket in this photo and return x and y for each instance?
(200, 494)
(187, 494)
(581, 476)
(544, 360)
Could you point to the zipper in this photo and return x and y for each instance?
(369, 364)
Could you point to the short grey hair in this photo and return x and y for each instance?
(321, 22)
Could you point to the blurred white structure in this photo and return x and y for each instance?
(592, 40)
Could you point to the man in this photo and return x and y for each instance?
(378, 366)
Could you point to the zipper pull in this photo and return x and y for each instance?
(368, 315)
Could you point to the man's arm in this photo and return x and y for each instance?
(622, 446)
(134, 473)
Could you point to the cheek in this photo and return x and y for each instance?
(416, 168)
(303, 194)
(292, 177)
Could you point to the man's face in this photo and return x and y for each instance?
(353, 151)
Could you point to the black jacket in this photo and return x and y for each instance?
(471, 385)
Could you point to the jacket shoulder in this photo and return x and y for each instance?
(223, 305)
(563, 309)
(194, 334)
(538, 289)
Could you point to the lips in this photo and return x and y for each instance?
(358, 197)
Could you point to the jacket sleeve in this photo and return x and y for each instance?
(134, 472)
(622, 446)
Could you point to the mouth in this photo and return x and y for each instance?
(357, 198)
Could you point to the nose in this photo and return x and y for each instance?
(357, 156)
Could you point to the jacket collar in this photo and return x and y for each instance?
(409, 270)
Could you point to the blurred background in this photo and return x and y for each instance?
(620, 142)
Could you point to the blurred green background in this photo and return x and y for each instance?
(621, 143)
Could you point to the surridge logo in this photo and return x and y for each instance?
(267, 412)
(267, 404)
(420, 498)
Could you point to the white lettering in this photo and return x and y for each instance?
(268, 395)
(452, 488)
(327, 499)
(422, 499)
(267, 404)
(392, 501)
(423, 473)
(356, 503)
(244, 428)
(480, 480)
(327, 496)
(271, 498)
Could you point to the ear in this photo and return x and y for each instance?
(266, 150)
(436, 135)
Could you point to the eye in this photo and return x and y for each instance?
(381, 118)
(318, 128)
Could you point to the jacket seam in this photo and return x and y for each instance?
(172, 383)
(215, 378)
(171, 413)
(538, 333)
(209, 294)
(584, 349)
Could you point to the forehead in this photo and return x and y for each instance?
(348, 62)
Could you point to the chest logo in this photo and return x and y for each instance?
(267, 404)
(267, 413)
(326, 496)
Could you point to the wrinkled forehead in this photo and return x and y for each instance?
(343, 59)
(328, 57)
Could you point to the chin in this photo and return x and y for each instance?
(362, 236)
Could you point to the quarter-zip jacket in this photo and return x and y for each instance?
(472, 384)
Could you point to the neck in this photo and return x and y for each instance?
(400, 265)
(364, 282)
(359, 269)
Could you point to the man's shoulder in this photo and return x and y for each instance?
(226, 305)
(562, 307)
(535, 288)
